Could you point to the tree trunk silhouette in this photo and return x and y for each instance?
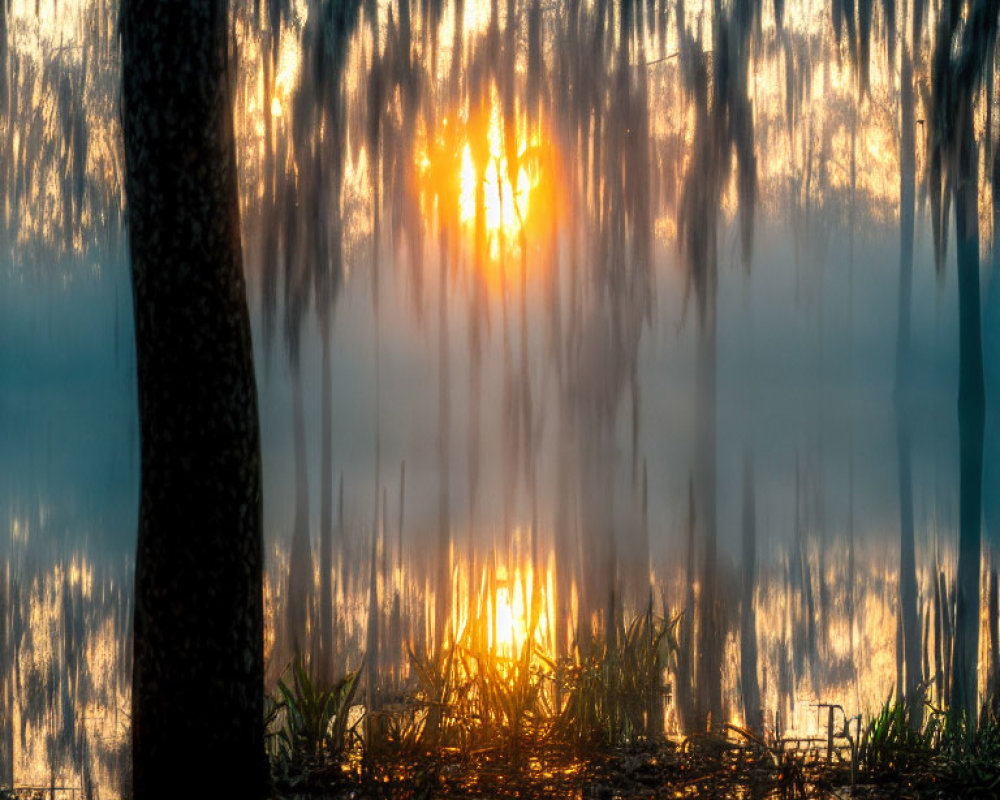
(7, 602)
(442, 606)
(993, 626)
(709, 665)
(971, 412)
(748, 615)
(910, 620)
(197, 696)
(324, 618)
(956, 75)
(300, 571)
(3, 55)
(683, 669)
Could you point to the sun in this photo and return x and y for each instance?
(518, 610)
(482, 169)
(506, 187)
(510, 624)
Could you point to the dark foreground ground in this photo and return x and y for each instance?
(707, 767)
(699, 767)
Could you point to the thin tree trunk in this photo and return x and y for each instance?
(851, 578)
(478, 308)
(809, 609)
(564, 565)
(654, 723)
(899, 652)
(942, 647)
(685, 695)
(926, 649)
(198, 635)
(396, 621)
(971, 402)
(993, 625)
(339, 582)
(372, 639)
(442, 590)
(748, 616)
(3, 55)
(709, 675)
(7, 601)
(907, 563)
(300, 574)
(324, 623)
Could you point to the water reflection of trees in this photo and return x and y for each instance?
(59, 145)
(671, 126)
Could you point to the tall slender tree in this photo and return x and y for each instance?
(723, 128)
(748, 614)
(197, 696)
(910, 621)
(963, 42)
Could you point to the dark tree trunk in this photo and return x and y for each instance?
(3, 55)
(397, 641)
(947, 630)
(851, 576)
(7, 602)
(993, 626)
(686, 701)
(748, 616)
(442, 607)
(710, 635)
(300, 572)
(971, 412)
(197, 696)
(324, 622)
(910, 620)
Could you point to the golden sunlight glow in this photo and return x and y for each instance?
(287, 76)
(490, 177)
(508, 626)
(505, 206)
(57, 602)
(504, 612)
(54, 26)
(510, 613)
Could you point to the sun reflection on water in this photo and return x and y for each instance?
(70, 674)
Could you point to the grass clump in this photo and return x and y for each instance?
(615, 692)
(933, 754)
(489, 716)
(896, 740)
(970, 759)
(308, 726)
(479, 694)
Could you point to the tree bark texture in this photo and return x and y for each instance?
(197, 692)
